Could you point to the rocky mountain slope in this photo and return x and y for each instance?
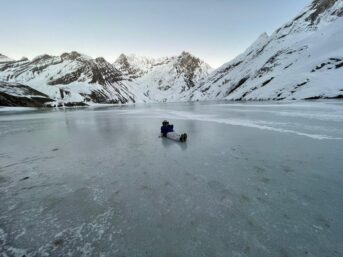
(162, 80)
(4, 58)
(301, 60)
(15, 94)
(71, 77)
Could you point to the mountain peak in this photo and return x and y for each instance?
(190, 62)
(260, 41)
(186, 56)
(133, 58)
(132, 65)
(122, 62)
(185, 53)
(4, 58)
(100, 60)
(73, 55)
(121, 57)
(41, 57)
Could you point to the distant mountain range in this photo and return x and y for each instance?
(164, 79)
(303, 59)
(71, 77)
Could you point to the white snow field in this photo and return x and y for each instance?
(254, 179)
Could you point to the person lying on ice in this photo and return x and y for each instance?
(167, 130)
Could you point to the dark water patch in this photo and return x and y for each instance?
(216, 185)
(117, 192)
(286, 216)
(58, 242)
(259, 169)
(323, 222)
(146, 188)
(287, 169)
(78, 204)
(284, 253)
(167, 183)
(42, 186)
(265, 180)
(2, 179)
(244, 199)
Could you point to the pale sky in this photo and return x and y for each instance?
(213, 30)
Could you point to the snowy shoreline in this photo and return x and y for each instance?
(229, 102)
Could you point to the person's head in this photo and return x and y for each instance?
(165, 123)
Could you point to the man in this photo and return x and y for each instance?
(167, 130)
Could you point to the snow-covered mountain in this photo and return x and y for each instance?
(4, 58)
(71, 77)
(301, 60)
(164, 79)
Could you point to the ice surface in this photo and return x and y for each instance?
(262, 179)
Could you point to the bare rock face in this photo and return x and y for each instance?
(15, 94)
(72, 56)
(319, 7)
(123, 65)
(188, 65)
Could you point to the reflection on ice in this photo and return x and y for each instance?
(253, 180)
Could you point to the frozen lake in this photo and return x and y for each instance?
(259, 180)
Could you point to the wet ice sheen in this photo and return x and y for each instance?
(253, 180)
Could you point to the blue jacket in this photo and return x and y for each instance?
(167, 129)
